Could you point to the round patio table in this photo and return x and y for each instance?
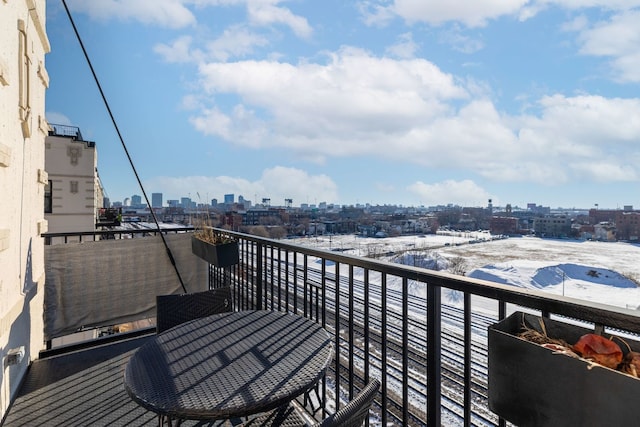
(228, 365)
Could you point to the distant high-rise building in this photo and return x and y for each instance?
(173, 203)
(136, 200)
(214, 202)
(229, 198)
(156, 200)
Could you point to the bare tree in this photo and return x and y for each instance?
(277, 232)
(458, 265)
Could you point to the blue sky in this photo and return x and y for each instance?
(412, 102)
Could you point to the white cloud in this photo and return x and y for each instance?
(375, 14)
(619, 39)
(477, 13)
(275, 183)
(587, 4)
(463, 193)
(579, 23)
(469, 13)
(352, 92)
(164, 13)
(404, 48)
(460, 42)
(178, 14)
(235, 42)
(583, 137)
(410, 111)
(54, 117)
(265, 13)
(240, 126)
(178, 51)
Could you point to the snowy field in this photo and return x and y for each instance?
(604, 272)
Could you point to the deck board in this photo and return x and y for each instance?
(82, 388)
(85, 388)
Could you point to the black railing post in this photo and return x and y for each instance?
(259, 263)
(405, 350)
(467, 360)
(434, 373)
(336, 325)
(383, 362)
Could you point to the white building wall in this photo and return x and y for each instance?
(75, 188)
(23, 81)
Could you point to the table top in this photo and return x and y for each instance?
(228, 365)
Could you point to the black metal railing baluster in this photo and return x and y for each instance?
(405, 348)
(286, 280)
(351, 333)
(383, 361)
(434, 374)
(307, 288)
(366, 325)
(295, 282)
(336, 328)
(260, 276)
(467, 360)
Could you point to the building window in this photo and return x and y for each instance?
(48, 200)
(73, 187)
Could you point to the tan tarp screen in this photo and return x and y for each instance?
(111, 282)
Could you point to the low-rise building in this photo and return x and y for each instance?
(552, 226)
(604, 231)
(74, 194)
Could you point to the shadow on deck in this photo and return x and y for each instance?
(81, 388)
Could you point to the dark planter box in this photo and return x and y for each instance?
(529, 385)
(223, 255)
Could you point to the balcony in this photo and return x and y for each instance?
(386, 321)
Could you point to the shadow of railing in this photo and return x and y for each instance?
(391, 322)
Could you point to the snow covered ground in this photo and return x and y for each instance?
(604, 272)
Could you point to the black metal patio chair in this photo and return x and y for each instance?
(353, 414)
(174, 309)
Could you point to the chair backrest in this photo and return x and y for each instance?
(354, 413)
(172, 310)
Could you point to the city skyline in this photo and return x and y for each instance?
(239, 198)
(403, 101)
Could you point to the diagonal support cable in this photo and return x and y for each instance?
(115, 125)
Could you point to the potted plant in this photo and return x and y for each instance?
(215, 246)
(549, 381)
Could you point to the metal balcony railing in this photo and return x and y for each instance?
(389, 321)
(65, 130)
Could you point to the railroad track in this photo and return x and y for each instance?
(281, 275)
